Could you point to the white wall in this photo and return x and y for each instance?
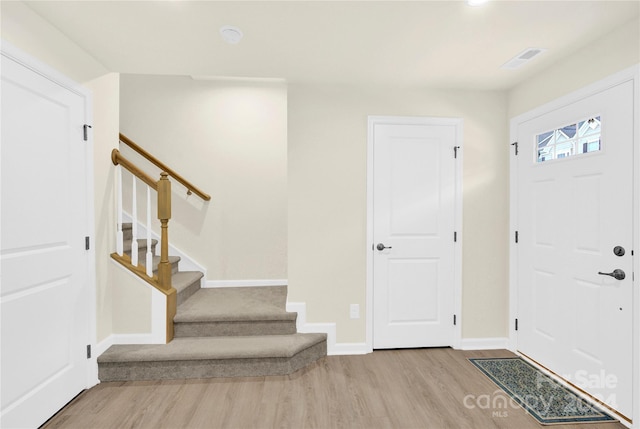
(327, 199)
(230, 140)
(25, 29)
(105, 137)
(614, 52)
(115, 293)
(123, 302)
(326, 191)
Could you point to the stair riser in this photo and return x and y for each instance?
(127, 232)
(188, 291)
(166, 370)
(142, 254)
(222, 329)
(174, 268)
(142, 261)
(127, 237)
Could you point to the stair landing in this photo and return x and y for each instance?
(208, 357)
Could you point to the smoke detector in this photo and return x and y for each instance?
(522, 58)
(231, 34)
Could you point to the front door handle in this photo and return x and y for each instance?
(381, 247)
(617, 274)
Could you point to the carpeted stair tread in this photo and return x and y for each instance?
(235, 304)
(184, 279)
(142, 244)
(173, 260)
(156, 260)
(213, 348)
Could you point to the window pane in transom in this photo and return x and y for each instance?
(574, 139)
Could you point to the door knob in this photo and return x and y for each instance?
(617, 274)
(618, 251)
(381, 247)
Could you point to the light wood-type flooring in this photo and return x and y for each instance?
(413, 388)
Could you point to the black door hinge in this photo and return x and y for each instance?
(86, 131)
(455, 236)
(455, 151)
(88, 351)
(86, 243)
(516, 324)
(515, 144)
(517, 237)
(454, 320)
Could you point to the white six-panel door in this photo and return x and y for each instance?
(573, 210)
(414, 201)
(46, 285)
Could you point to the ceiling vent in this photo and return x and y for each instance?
(522, 58)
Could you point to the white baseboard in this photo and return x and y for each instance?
(245, 283)
(349, 349)
(333, 348)
(158, 334)
(484, 343)
(103, 345)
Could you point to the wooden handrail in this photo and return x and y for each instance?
(117, 158)
(190, 188)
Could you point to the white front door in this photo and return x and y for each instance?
(574, 221)
(414, 202)
(45, 282)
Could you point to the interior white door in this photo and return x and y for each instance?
(574, 209)
(413, 229)
(44, 296)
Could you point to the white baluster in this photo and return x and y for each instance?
(119, 234)
(134, 227)
(149, 254)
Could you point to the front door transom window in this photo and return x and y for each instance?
(574, 139)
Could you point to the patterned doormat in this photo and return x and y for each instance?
(541, 396)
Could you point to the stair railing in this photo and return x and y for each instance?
(161, 281)
(190, 188)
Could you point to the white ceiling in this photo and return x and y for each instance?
(440, 44)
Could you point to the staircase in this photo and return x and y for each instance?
(219, 332)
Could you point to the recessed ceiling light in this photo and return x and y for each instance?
(239, 79)
(230, 34)
(476, 2)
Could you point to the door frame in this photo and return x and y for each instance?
(630, 74)
(457, 263)
(15, 54)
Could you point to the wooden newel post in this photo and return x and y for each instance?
(164, 214)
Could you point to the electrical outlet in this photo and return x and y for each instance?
(354, 311)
